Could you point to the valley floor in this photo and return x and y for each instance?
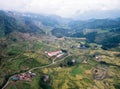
(81, 68)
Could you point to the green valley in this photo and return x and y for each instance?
(38, 52)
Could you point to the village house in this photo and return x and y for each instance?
(59, 55)
(51, 54)
(97, 58)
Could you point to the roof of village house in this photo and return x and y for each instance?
(54, 53)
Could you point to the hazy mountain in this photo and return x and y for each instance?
(37, 24)
(95, 24)
(101, 31)
(97, 14)
(10, 22)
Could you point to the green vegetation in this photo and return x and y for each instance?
(77, 70)
(24, 46)
(101, 31)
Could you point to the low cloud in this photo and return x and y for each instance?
(64, 8)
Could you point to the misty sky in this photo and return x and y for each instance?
(64, 8)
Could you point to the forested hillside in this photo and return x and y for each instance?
(101, 31)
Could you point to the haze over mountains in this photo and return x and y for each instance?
(78, 9)
(98, 14)
(37, 24)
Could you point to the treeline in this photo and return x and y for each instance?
(110, 39)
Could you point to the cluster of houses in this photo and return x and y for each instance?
(23, 76)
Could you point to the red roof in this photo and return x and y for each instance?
(54, 53)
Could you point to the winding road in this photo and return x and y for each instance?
(36, 68)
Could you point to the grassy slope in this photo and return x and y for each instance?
(78, 76)
(21, 54)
